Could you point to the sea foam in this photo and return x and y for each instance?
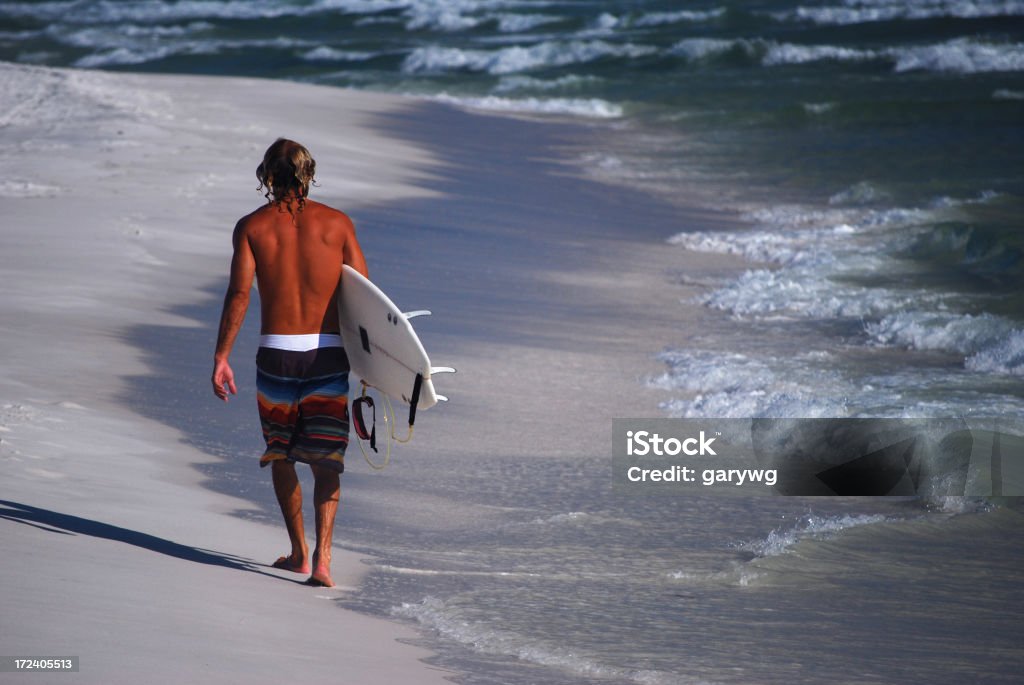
(781, 540)
(436, 59)
(661, 18)
(453, 623)
(736, 385)
(1005, 356)
(893, 10)
(937, 330)
(960, 55)
(580, 107)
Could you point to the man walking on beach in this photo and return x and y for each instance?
(295, 249)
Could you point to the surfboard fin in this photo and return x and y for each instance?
(414, 314)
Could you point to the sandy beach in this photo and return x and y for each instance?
(119, 195)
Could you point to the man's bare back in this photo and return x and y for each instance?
(297, 260)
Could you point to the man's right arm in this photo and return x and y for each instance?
(236, 303)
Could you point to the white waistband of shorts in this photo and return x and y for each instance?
(300, 343)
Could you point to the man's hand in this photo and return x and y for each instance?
(223, 379)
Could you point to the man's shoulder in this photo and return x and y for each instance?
(326, 212)
(256, 216)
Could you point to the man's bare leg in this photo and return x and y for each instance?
(289, 496)
(326, 491)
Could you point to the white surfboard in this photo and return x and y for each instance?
(382, 347)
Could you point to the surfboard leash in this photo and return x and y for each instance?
(408, 436)
(388, 410)
(369, 435)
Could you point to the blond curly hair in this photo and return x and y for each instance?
(286, 172)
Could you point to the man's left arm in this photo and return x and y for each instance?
(352, 253)
(236, 303)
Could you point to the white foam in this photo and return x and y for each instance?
(804, 404)
(119, 12)
(660, 18)
(769, 52)
(518, 23)
(145, 12)
(961, 504)
(329, 54)
(417, 15)
(1007, 94)
(962, 56)
(789, 53)
(799, 216)
(508, 84)
(990, 343)
(407, 571)
(780, 541)
(453, 623)
(817, 250)
(739, 386)
(806, 292)
(709, 383)
(559, 519)
(126, 56)
(371, 21)
(605, 23)
(124, 35)
(579, 107)
(156, 50)
(1005, 356)
(447, 16)
(891, 10)
(513, 59)
(700, 48)
(937, 330)
(818, 107)
(811, 284)
(860, 194)
(757, 246)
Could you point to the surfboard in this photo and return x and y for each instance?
(383, 349)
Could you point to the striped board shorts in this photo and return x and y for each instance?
(303, 404)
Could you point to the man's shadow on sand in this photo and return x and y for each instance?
(66, 524)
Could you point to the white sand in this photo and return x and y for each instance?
(118, 193)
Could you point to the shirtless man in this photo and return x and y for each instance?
(295, 248)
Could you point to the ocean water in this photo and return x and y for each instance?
(872, 153)
(872, 150)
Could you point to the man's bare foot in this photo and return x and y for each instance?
(321, 573)
(320, 580)
(288, 564)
